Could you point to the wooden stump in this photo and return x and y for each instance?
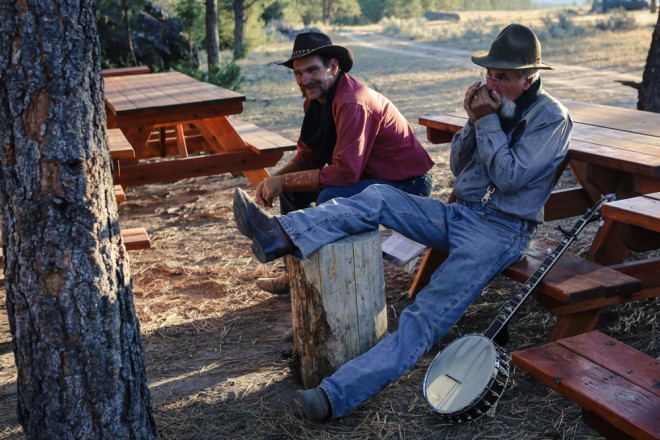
(338, 304)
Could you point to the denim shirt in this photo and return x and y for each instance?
(521, 165)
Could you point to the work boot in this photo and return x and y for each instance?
(269, 241)
(314, 403)
(275, 285)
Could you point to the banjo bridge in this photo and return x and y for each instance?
(443, 388)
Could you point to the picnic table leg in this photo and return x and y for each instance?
(574, 324)
(595, 180)
(222, 137)
(433, 258)
(603, 426)
(608, 247)
(181, 141)
(138, 137)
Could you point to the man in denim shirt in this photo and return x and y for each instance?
(504, 160)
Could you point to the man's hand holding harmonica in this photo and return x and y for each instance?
(479, 102)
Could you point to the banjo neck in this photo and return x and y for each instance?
(511, 306)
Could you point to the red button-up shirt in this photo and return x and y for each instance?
(374, 140)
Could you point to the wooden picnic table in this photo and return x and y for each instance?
(171, 115)
(613, 150)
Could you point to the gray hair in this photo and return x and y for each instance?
(532, 74)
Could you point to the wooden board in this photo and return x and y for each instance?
(613, 382)
(639, 211)
(133, 238)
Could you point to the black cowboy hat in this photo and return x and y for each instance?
(309, 43)
(516, 47)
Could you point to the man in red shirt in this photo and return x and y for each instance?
(351, 137)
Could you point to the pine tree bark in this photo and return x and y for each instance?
(76, 339)
(649, 90)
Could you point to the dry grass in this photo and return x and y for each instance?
(219, 357)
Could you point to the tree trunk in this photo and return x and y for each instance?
(337, 304)
(649, 91)
(327, 5)
(653, 7)
(126, 13)
(212, 34)
(239, 26)
(76, 339)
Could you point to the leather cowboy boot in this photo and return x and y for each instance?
(269, 241)
(314, 403)
(275, 285)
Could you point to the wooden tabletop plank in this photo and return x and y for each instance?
(602, 349)
(134, 70)
(619, 118)
(148, 92)
(646, 145)
(631, 162)
(118, 100)
(127, 96)
(163, 91)
(152, 92)
(611, 136)
(637, 211)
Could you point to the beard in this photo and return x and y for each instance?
(507, 109)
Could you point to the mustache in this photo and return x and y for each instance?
(310, 86)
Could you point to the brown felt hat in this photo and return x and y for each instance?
(516, 47)
(316, 43)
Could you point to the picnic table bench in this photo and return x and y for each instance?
(133, 238)
(637, 220)
(617, 386)
(575, 290)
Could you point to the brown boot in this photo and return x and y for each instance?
(276, 286)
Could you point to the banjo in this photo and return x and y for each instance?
(467, 378)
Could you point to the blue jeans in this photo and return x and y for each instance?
(481, 244)
(292, 201)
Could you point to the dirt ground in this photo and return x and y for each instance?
(219, 353)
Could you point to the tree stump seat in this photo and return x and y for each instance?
(338, 304)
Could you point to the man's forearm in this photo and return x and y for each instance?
(290, 167)
(308, 181)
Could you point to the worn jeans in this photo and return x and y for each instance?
(291, 201)
(481, 244)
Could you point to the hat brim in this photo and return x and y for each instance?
(344, 56)
(481, 58)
